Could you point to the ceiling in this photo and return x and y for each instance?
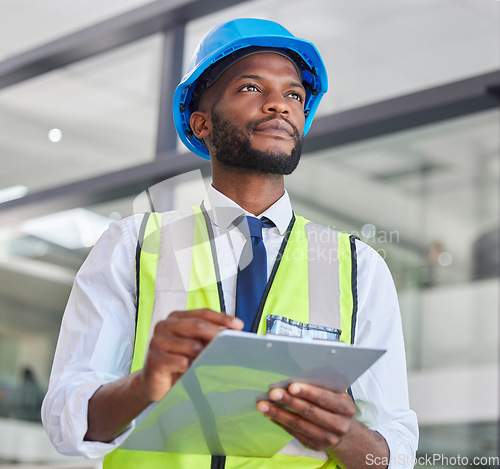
(429, 183)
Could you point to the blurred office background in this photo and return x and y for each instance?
(404, 152)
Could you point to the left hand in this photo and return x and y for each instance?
(316, 417)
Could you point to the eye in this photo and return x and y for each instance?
(249, 87)
(296, 95)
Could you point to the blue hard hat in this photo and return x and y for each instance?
(229, 42)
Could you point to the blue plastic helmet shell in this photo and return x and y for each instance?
(231, 37)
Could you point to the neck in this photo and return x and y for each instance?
(253, 191)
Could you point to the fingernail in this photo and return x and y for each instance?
(294, 389)
(276, 395)
(263, 407)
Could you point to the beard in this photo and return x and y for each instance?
(232, 147)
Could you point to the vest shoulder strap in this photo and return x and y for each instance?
(147, 251)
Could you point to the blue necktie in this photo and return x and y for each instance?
(252, 278)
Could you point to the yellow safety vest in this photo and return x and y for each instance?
(313, 281)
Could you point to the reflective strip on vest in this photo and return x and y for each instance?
(313, 284)
(148, 260)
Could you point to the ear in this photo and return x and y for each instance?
(200, 124)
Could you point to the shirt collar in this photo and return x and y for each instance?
(222, 210)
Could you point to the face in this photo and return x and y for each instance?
(253, 116)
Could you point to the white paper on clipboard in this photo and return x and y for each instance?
(212, 408)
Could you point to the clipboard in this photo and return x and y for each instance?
(212, 409)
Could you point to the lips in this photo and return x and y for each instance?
(278, 127)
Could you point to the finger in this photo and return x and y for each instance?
(160, 363)
(339, 403)
(201, 325)
(177, 345)
(189, 327)
(313, 435)
(307, 441)
(160, 373)
(209, 315)
(328, 420)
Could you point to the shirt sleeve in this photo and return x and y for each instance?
(381, 393)
(96, 340)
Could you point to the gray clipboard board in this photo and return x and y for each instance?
(212, 408)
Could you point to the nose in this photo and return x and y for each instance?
(276, 103)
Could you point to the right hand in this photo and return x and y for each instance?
(176, 342)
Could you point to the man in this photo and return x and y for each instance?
(250, 94)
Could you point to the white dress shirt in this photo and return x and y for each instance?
(95, 345)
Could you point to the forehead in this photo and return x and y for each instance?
(263, 64)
